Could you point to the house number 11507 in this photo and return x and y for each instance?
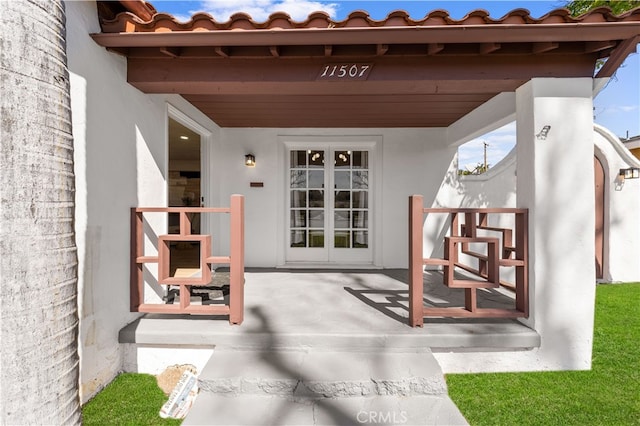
(348, 71)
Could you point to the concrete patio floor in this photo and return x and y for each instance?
(337, 309)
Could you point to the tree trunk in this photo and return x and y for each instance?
(38, 258)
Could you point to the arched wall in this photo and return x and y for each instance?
(622, 204)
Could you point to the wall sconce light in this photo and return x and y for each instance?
(249, 160)
(543, 133)
(630, 173)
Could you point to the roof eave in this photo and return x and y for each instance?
(388, 35)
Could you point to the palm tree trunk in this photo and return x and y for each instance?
(38, 258)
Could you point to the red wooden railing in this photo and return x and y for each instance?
(502, 250)
(235, 308)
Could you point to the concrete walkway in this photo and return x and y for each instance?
(322, 388)
(330, 347)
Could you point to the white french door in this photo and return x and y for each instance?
(329, 205)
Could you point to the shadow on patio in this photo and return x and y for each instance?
(332, 308)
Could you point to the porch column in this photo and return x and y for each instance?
(555, 182)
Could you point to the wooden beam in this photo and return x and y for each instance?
(173, 52)
(381, 49)
(443, 86)
(618, 56)
(453, 74)
(222, 51)
(291, 123)
(597, 46)
(275, 51)
(319, 107)
(328, 50)
(486, 48)
(231, 100)
(434, 48)
(124, 51)
(369, 36)
(544, 47)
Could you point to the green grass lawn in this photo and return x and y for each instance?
(609, 394)
(131, 399)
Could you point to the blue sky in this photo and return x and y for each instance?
(339, 9)
(616, 107)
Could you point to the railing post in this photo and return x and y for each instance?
(416, 290)
(135, 272)
(522, 252)
(455, 228)
(236, 273)
(185, 223)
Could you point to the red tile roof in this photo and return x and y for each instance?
(142, 17)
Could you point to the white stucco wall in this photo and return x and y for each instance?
(622, 204)
(412, 161)
(120, 156)
(556, 184)
(497, 188)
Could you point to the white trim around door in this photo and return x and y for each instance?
(339, 227)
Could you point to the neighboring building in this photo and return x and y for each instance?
(633, 145)
(375, 109)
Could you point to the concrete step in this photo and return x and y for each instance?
(184, 330)
(322, 388)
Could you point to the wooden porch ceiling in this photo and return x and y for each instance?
(358, 73)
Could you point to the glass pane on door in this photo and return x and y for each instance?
(306, 194)
(351, 199)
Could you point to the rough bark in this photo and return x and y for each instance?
(38, 258)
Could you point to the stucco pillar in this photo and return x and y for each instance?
(555, 182)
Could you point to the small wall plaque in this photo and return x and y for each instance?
(256, 184)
